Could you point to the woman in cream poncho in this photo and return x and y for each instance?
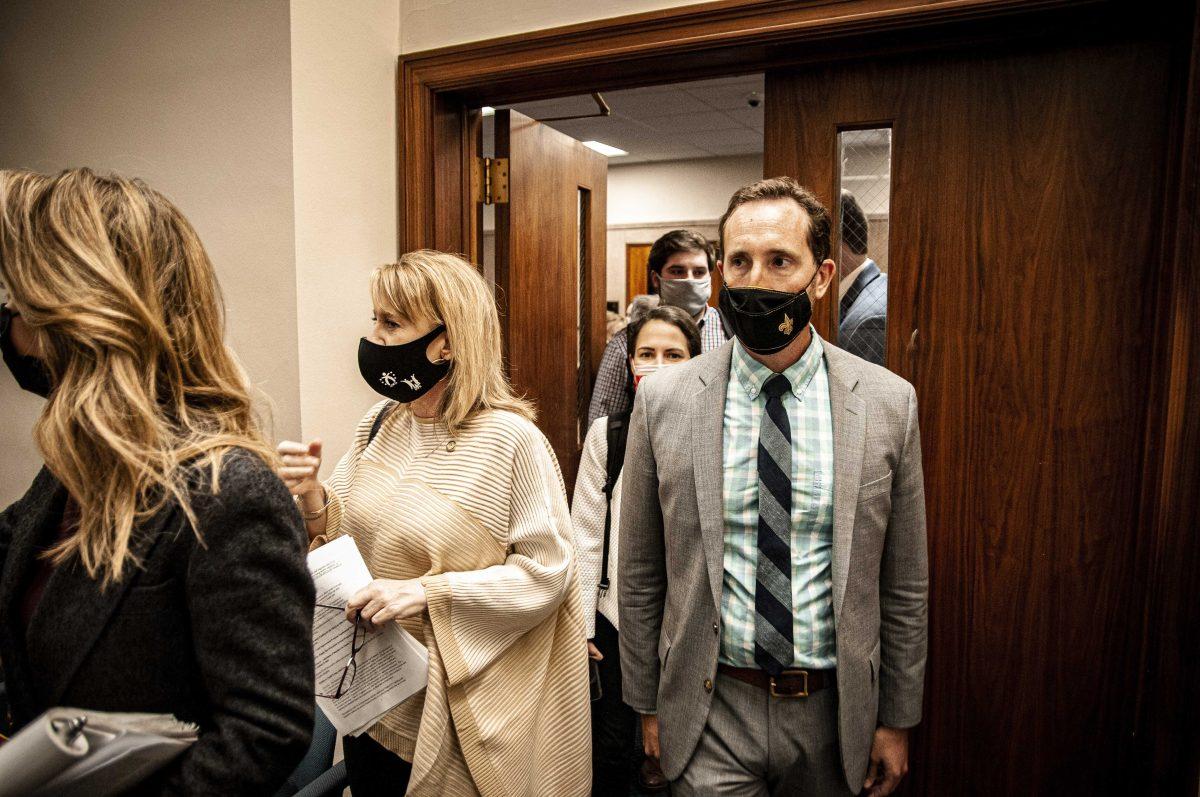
(458, 507)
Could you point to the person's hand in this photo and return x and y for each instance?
(650, 735)
(594, 652)
(889, 762)
(301, 461)
(385, 599)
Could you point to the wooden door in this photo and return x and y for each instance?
(637, 270)
(1026, 203)
(550, 275)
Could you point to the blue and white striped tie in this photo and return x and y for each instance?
(773, 648)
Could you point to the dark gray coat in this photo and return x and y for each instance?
(216, 632)
(863, 328)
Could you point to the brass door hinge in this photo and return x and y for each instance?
(490, 177)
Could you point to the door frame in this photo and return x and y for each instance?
(438, 137)
(437, 134)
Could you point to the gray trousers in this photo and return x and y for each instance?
(755, 745)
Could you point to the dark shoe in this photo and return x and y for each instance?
(651, 777)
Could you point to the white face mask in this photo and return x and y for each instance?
(690, 296)
(645, 369)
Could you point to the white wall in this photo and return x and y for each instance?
(196, 99)
(426, 24)
(676, 190)
(344, 134)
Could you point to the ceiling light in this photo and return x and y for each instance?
(605, 149)
(488, 110)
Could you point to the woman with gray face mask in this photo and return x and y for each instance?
(681, 264)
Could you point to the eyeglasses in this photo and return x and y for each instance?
(357, 641)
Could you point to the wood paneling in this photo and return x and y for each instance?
(688, 42)
(1027, 201)
(538, 276)
(1167, 738)
(1063, 653)
(436, 88)
(637, 266)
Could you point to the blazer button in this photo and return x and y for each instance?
(716, 628)
(708, 684)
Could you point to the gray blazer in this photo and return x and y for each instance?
(863, 327)
(672, 552)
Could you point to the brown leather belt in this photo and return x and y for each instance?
(789, 683)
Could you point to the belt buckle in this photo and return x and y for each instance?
(803, 691)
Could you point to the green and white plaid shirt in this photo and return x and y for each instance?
(812, 508)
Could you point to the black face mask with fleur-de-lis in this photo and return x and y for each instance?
(402, 373)
(765, 321)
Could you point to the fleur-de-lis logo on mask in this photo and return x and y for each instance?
(786, 326)
(388, 379)
(413, 383)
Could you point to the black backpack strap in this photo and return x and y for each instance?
(378, 422)
(618, 433)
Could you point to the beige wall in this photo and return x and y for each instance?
(676, 190)
(426, 24)
(194, 97)
(272, 125)
(344, 135)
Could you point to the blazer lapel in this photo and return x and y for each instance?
(849, 427)
(864, 278)
(74, 611)
(708, 445)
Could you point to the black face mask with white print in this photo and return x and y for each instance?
(402, 373)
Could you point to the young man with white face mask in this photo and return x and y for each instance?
(681, 264)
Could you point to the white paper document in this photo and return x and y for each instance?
(391, 666)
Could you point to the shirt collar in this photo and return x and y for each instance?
(848, 280)
(752, 374)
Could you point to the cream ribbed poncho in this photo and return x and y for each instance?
(485, 526)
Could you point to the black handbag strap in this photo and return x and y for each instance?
(378, 422)
(618, 433)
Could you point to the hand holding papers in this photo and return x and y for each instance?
(361, 674)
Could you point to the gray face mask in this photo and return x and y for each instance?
(690, 296)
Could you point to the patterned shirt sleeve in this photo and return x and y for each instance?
(611, 392)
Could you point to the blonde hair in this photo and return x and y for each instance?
(445, 289)
(126, 311)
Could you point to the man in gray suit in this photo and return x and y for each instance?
(862, 328)
(774, 573)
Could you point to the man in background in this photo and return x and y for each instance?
(863, 289)
(681, 264)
